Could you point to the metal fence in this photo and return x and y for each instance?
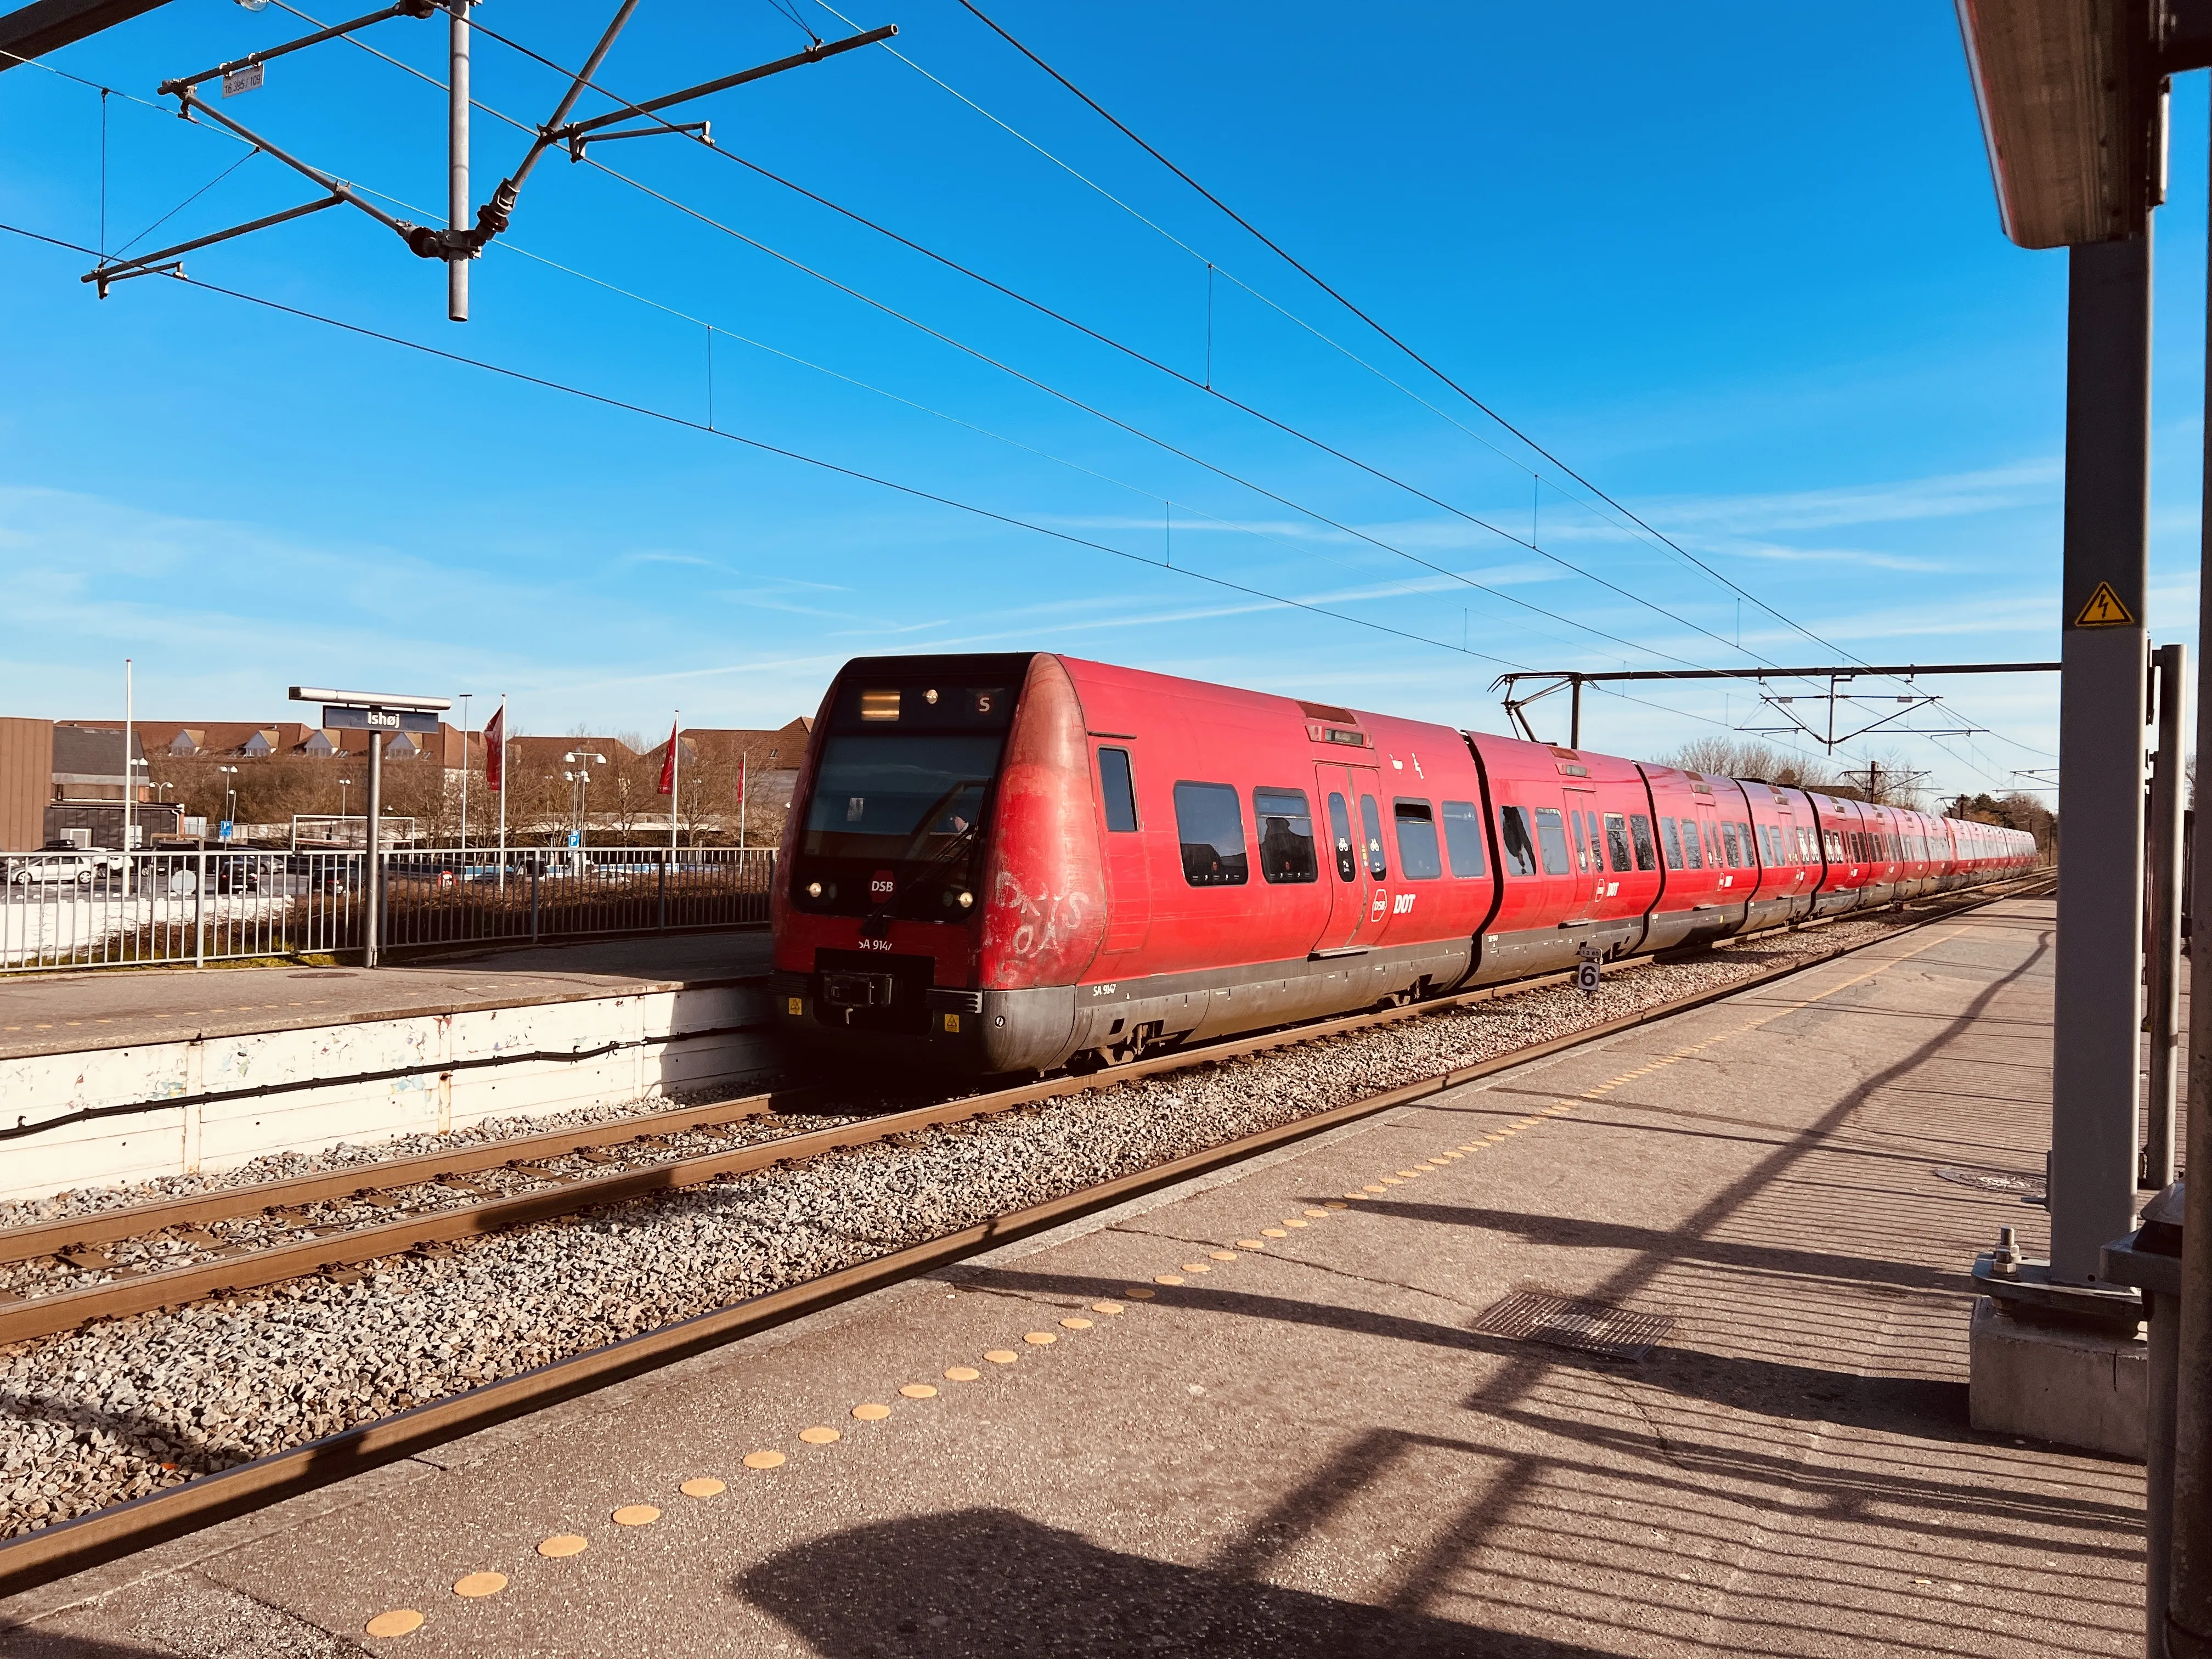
(96, 909)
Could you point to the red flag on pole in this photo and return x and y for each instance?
(495, 742)
(668, 766)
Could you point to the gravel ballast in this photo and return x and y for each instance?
(108, 1413)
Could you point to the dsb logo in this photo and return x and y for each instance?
(883, 885)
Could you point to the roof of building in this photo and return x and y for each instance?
(94, 754)
(780, 749)
(548, 752)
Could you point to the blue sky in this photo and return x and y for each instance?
(1741, 271)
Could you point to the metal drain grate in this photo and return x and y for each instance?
(1599, 1327)
(1994, 1181)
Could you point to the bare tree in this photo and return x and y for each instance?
(1735, 758)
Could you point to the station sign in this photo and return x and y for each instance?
(354, 717)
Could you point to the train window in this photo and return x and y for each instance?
(1287, 847)
(1772, 839)
(1671, 836)
(1420, 859)
(1616, 842)
(1751, 849)
(1552, 837)
(1728, 840)
(1371, 820)
(1210, 824)
(1582, 851)
(1117, 788)
(1693, 844)
(1463, 837)
(1518, 844)
(1339, 830)
(1639, 830)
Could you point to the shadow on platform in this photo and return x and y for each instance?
(991, 1582)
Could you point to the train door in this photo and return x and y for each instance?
(1586, 839)
(1128, 876)
(1358, 870)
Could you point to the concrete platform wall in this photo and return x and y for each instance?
(106, 1115)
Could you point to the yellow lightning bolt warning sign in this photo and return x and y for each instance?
(2104, 610)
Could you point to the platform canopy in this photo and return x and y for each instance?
(2071, 97)
(47, 25)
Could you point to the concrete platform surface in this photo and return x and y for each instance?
(1231, 1420)
(118, 1007)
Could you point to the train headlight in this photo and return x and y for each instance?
(814, 889)
(967, 900)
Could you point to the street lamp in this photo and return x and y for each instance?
(579, 781)
(345, 784)
(229, 795)
(465, 697)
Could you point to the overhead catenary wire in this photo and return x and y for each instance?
(1004, 368)
(965, 271)
(1395, 340)
(1347, 530)
(914, 491)
(1223, 207)
(1112, 344)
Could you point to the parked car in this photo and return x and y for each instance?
(52, 869)
(322, 872)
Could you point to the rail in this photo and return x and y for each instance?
(53, 1553)
(72, 909)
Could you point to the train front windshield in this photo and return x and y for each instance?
(897, 796)
(894, 821)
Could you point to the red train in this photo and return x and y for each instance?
(1012, 862)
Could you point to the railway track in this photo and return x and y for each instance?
(619, 1161)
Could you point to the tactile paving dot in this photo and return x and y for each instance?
(1166, 1278)
(1273, 1232)
(871, 1411)
(635, 1514)
(1138, 1293)
(1002, 1356)
(1413, 1175)
(1390, 1181)
(564, 1543)
(400, 1621)
(919, 1390)
(1198, 1267)
(822, 1435)
(765, 1460)
(1039, 1339)
(1223, 1255)
(480, 1583)
(1318, 1215)
(706, 1485)
(1106, 1307)
(1073, 1324)
(961, 1373)
(1292, 1221)
(1372, 1188)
